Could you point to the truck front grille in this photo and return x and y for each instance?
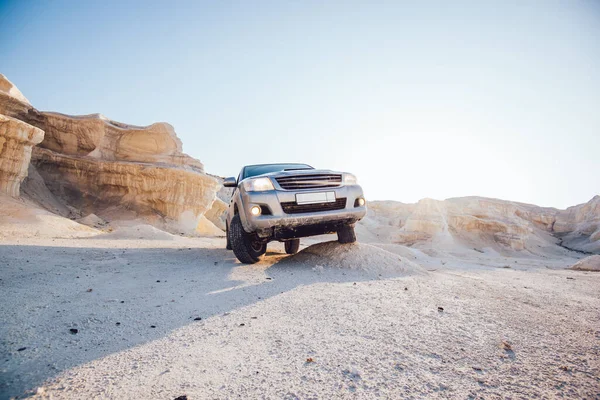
(295, 208)
(312, 181)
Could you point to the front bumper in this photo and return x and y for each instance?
(268, 225)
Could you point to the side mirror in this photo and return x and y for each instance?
(230, 182)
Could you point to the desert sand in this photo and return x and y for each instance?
(163, 317)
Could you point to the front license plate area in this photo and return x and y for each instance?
(314, 198)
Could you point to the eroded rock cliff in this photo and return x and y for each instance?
(99, 137)
(93, 185)
(481, 222)
(12, 102)
(579, 226)
(91, 164)
(16, 142)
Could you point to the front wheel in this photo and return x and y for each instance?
(292, 246)
(346, 234)
(246, 247)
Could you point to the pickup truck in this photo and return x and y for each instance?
(285, 202)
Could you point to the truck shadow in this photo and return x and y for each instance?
(118, 298)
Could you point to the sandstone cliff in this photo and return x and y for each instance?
(579, 226)
(477, 222)
(16, 141)
(94, 186)
(10, 90)
(218, 213)
(91, 164)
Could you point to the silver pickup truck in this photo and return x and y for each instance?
(285, 202)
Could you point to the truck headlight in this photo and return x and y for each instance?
(258, 185)
(350, 179)
(255, 210)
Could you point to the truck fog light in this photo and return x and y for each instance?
(255, 210)
(361, 202)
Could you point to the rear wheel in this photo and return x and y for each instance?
(246, 247)
(346, 234)
(292, 246)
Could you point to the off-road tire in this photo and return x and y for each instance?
(292, 246)
(243, 244)
(228, 245)
(346, 234)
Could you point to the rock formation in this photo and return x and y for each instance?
(218, 213)
(579, 226)
(98, 137)
(591, 263)
(93, 185)
(91, 164)
(11, 91)
(475, 222)
(16, 141)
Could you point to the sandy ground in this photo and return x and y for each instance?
(290, 328)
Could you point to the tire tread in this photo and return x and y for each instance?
(240, 242)
(292, 246)
(346, 234)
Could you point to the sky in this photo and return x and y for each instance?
(419, 99)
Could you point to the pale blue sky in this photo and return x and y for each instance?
(419, 99)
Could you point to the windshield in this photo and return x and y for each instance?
(254, 170)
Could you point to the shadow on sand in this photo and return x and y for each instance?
(117, 298)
